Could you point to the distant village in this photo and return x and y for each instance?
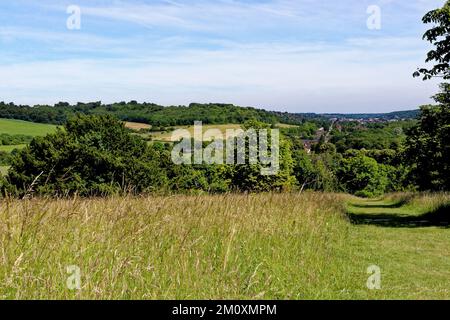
(367, 120)
(324, 135)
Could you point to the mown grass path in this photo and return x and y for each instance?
(411, 246)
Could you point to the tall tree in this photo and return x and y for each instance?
(427, 144)
(439, 36)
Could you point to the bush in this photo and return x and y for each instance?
(363, 176)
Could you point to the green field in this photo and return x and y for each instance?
(167, 136)
(263, 246)
(18, 127)
(13, 127)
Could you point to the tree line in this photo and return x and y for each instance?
(149, 113)
(94, 154)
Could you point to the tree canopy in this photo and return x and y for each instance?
(438, 36)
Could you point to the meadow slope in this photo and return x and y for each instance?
(265, 246)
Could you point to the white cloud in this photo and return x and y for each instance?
(272, 76)
(319, 55)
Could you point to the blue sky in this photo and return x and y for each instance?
(297, 56)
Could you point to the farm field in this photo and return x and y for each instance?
(18, 127)
(264, 246)
(12, 147)
(13, 127)
(137, 125)
(167, 136)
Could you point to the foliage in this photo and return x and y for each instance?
(362, 176)
(11, 140)
(5, 158)
(97, 155)
(149, 113)
(438, 36)
(317, 171)
(427, 146)
(390, 116)
(91, 156)
(306, 130)
(378, 136)
(248, 177)
(428, 149)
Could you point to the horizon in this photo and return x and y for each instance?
(277, 55)
(214, 103)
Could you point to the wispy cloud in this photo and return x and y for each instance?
(302, 55)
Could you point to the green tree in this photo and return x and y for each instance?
(439, 36)
(248, 177)
(92, 155)
(427, 146)
(361, 175)
(304, 170)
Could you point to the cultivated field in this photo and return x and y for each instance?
(265, 246)
(166, 136)
(137, 126)
(26, 128)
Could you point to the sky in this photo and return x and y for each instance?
(323, 56)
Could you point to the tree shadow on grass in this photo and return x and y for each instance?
(381, 205)
(436, 218)
(400, 203)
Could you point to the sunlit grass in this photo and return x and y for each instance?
(265, 246)
(14, 127)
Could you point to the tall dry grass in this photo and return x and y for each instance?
(277, 246)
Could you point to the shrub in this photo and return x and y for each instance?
(362, 176)
(92, 155)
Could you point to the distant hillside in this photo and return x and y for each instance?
(397, 115)
(158, 115)
(150, 113)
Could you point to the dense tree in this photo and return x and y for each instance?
(304, 170)
(427, 146)
(377, 136)
(145, 113)
(249, 177)
(438, 36)
(92, 155)
(363, 176)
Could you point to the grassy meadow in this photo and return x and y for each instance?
(13, 127)
(263, 246)
(166, 136)
(12, 147)
(19, 127)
